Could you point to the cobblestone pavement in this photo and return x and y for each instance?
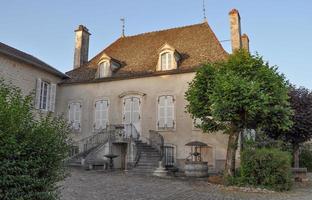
(96, 185)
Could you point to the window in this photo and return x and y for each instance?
(104, 69)
(166, 112)
(101, 114)
(45, 95)
(45, 86)
(169, 155)
(74, 115)
(166, 61)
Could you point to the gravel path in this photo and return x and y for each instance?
(95, 185)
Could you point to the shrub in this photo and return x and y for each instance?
(306, 157)
(268, 168)
(31, 149)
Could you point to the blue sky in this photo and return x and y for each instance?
(279, 30)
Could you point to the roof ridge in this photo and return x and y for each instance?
(35, 60)
(162, 30)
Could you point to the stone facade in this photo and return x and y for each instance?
(148, 89)
(23, 75)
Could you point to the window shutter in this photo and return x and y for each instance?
(105, 114)
(71, 113)
(97, 116)
(161, 112)
(135, 110)
(170, 112)
(127, 111)
(169, 61)
(52, 97)
(78, 116)
(38, 93)
(163, 61)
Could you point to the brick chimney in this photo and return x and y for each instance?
(235, 30)
(81, 46)
(245, 42)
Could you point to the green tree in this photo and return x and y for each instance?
(242, 92)
(32, 149)
(301, 130)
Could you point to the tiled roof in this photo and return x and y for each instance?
(24, 57)
(197, 44)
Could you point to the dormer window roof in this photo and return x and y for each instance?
(168, 58)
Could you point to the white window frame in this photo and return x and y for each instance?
(104, 69)
(139, 127)
(45, 95)
(106, 122)
(165, 128)
(75, 124)
(168, 63)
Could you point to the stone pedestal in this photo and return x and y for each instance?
(160, 171)
(196, 169)
(300, 174)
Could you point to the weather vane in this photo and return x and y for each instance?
(123, 27)
(204, 11)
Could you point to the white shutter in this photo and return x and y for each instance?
(77, 120)
(52, 97)
(71, 113)
(104, 114)
(38, 93)
(169, 112)
(97, 115)
(127, 111)
(161, 112)
(135, 110)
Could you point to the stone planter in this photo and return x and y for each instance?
(196, 169)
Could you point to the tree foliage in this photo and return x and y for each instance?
(32, 149)
(242, 92)
(301, 130)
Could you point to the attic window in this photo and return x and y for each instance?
(104, 69)
(166, 61)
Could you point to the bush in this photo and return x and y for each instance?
(31, 149)
(268, 168)
(306, 157)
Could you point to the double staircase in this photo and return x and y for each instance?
(148, 161)
(149, 151)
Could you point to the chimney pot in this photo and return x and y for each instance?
(81, 46)
(235, 27)
(245, 42)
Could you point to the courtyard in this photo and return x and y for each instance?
(99, 185)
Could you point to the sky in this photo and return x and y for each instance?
(279, 30)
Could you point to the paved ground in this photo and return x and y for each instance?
(93, 185)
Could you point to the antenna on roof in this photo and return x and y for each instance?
(204, 11)
(123, 27)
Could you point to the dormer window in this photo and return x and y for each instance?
(166, 61)
(107, 66)
(168, 58)
(104, 69)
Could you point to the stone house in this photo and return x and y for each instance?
(31, 75)
(128, 100)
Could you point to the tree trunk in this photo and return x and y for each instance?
(296, 155)
(231, 152)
